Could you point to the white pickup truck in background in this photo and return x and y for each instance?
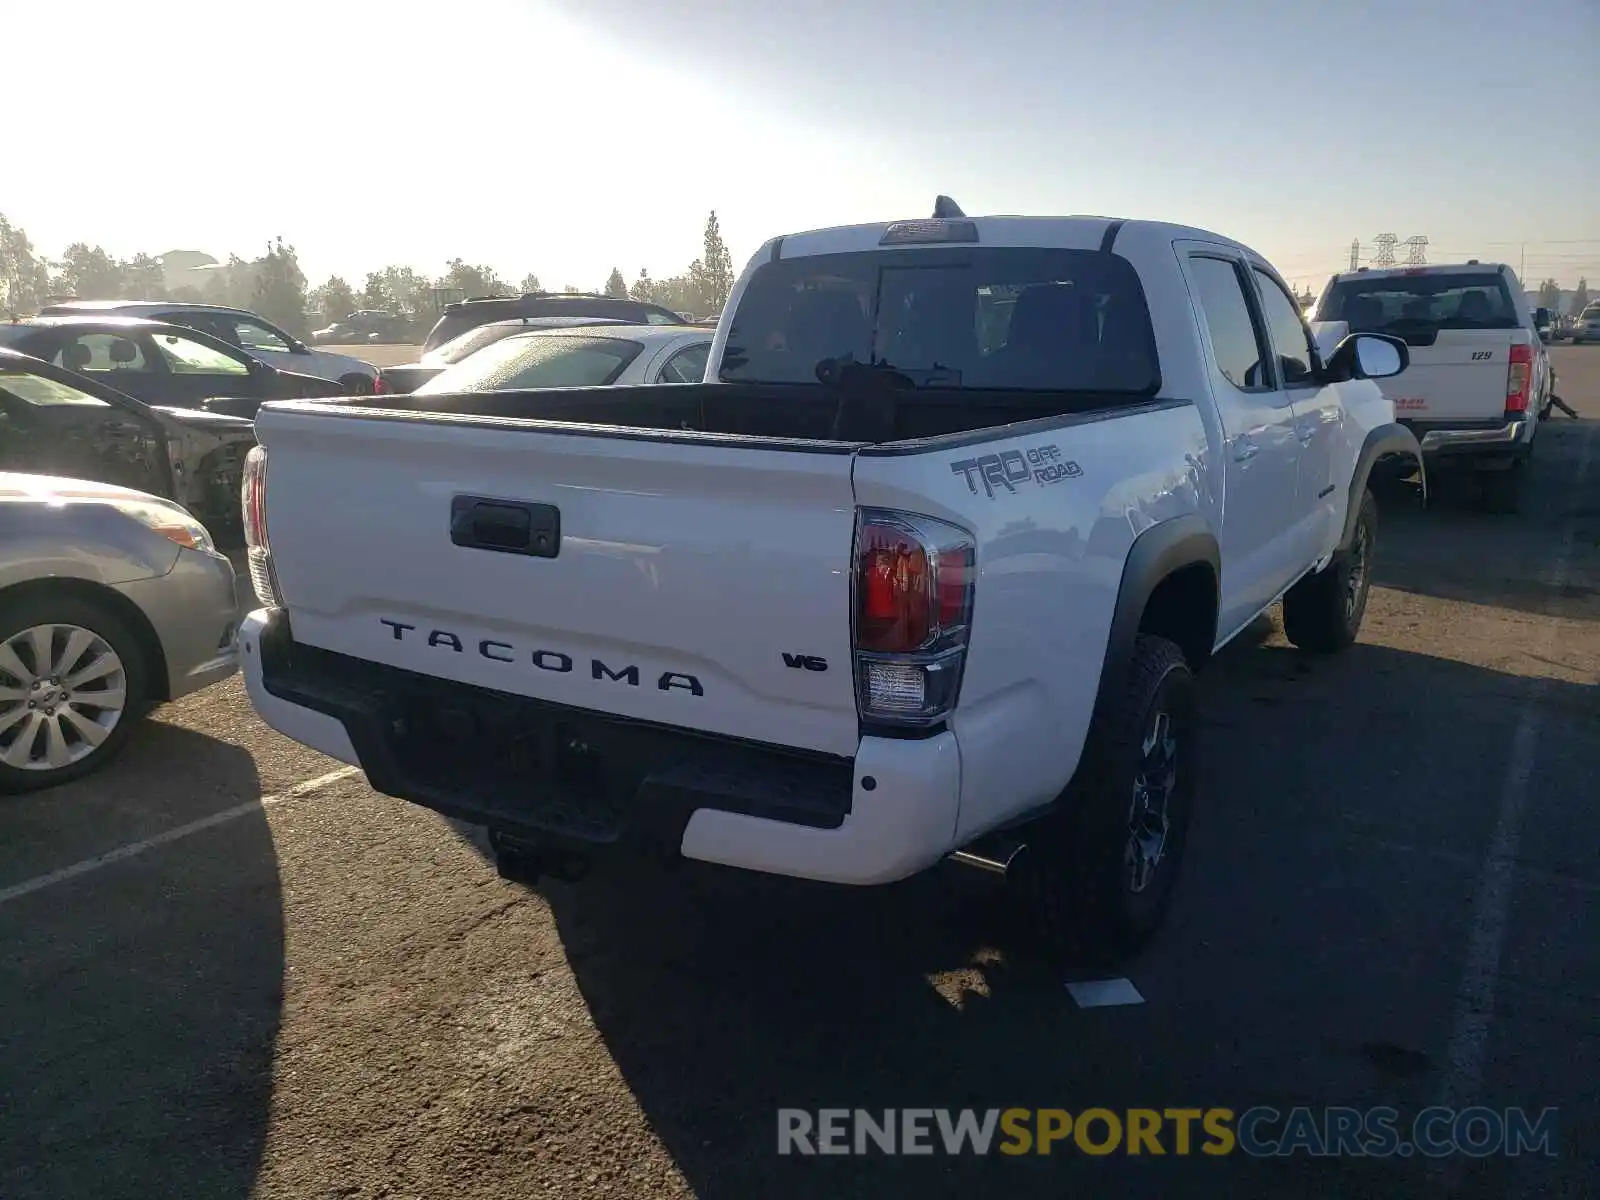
(923, 568)
(1480, 379)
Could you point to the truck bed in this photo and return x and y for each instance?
(869, 410)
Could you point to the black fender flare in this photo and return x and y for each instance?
(1381, 441)
(1155, 555)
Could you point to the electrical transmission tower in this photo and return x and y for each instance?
(1355, 253)
(1386, 243)
(1416, 251)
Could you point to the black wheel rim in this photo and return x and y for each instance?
(1150, 812)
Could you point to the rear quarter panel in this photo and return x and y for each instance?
(1053, 508)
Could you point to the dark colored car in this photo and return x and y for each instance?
(161, 363)
(57, 422)
(463, 315)
(408, 377)
(241, 329)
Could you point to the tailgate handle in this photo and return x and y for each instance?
(505, 526)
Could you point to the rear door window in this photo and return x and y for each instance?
(97, 352)
(687, 366)
(993, 319)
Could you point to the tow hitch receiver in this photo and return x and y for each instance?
(526, 862)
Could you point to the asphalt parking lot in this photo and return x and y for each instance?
(385, 354)
(1390, 899)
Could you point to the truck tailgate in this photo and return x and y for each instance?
(694, 584)
(1461, 376)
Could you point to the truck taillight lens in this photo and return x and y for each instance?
(253, 497)
(914, 586)
(1519, 379)
(379, 387)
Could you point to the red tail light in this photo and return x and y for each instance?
(1519, 379)
(914, 588)
(253, 497)
(379, 387)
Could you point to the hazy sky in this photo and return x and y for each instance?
(567, 138)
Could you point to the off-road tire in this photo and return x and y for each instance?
(1073, 883)
(44, 608)
(1322, 613)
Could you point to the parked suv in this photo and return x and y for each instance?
(1587, 327)
(1480, 378)
(463, 315)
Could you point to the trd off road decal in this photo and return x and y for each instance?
(1007, 468)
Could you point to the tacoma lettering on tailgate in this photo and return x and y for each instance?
(1007, 468)
(546, 660)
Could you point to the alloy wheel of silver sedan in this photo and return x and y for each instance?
(63, 690)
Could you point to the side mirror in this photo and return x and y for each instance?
(1369, 356)
(1381, 357)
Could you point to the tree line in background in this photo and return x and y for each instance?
(274, 286)
(1550, 296)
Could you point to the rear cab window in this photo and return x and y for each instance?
(1420, 307)
(980, 318)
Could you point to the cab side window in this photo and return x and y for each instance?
(1290, 338)
(1235, 341)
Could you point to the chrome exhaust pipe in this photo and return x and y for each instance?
(995, 855)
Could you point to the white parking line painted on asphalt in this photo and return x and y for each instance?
(1468, 1047)
(1104, 993)
(39, 882)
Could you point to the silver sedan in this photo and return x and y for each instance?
(111, 600)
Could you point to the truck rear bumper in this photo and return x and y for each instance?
(903, 823)
(307, 726)
(588, 780)
(1500, 439)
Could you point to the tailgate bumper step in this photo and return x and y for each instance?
(544, 770)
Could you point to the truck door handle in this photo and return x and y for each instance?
(505, 526)
(1244, 449)
(1305, 432)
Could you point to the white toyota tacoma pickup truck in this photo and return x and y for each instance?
(922, 569)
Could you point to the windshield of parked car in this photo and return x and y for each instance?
(42, 392)
(1003, 318)
(532, 360)
(1411, 304)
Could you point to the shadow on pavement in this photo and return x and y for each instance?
(139, 1003)
(1455, 551)
(723, 996)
